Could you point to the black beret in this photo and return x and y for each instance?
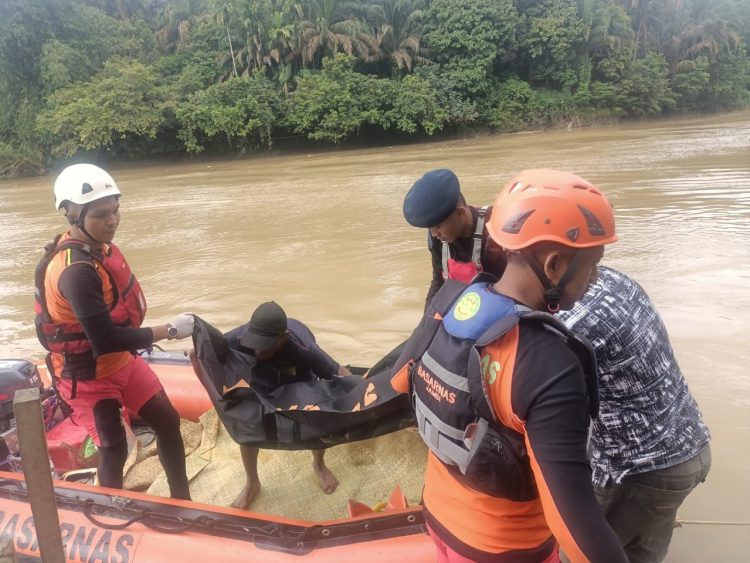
(432, 198)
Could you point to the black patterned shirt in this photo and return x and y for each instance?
(648, 419)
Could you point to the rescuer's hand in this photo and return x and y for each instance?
(181, 326)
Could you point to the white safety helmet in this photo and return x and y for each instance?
(82, 184)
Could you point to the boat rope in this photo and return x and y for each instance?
(680, 523)
(150, 519)
(144, 515)
(163, 522)
(87, 506)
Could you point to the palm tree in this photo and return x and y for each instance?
(643, 21)
(227, 14)
(174, 20)
(260, 34)
(280, 44)
(397, 36)
(327, 31)
(708, 39)
(608, 28)
(681, 29)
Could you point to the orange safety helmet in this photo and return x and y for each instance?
(551, 205)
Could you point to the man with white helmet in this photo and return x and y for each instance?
(89, 309)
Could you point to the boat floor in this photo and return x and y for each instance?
(367, 471)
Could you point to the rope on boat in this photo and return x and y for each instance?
(150, 519)
(680, 523)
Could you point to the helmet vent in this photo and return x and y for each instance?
(515, 224)
(86, 188)
(572, 234)
(515, 187)
(592, 223)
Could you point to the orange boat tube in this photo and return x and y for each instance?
(105, 525)
(183, 388)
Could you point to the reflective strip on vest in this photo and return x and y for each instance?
(476, 250)
(435, 433)
(448, 377)
(446, 450)
(446, 257)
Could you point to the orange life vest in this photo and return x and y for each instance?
(478, 451)
(58, 328)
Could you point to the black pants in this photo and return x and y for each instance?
(159, 413)
(642, 509)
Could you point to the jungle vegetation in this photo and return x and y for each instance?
(131, 79)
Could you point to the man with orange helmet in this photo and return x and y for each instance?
(89, 309)
(503, 393)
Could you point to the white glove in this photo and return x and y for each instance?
(184, 323)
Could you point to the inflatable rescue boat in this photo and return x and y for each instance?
(118, 526)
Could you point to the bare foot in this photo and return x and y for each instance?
(326, 479)
(247, 496)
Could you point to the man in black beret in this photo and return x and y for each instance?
(457, 236)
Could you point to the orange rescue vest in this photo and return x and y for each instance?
(56, 327)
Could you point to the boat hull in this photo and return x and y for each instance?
(201, 532)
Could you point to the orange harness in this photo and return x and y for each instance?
(127, 307)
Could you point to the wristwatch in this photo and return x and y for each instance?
(171, 331)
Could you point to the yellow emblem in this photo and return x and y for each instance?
(467, 306)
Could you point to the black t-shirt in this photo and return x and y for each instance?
(82, 287)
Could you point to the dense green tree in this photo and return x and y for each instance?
(20, 161)
(85, 42)
(241, 111)
(25, 25)
(139, 77)
(690, 84)
(552, 40)
(645, 88)
(729, 86)
(467, 39)
(119, 109)
(173, 22)
(460, 111)
(609, 39)
(510, 106)
(123, 9)
(416, 107)
(335, 103)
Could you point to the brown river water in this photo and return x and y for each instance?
(323, 234)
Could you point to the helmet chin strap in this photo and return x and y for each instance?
(79, 222)
(553, 294)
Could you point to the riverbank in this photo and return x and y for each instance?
(299, 145)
